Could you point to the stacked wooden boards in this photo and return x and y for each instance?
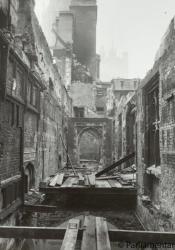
(56, 180)
(83, 181)
(95, 234)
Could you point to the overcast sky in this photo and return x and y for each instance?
(134, 26)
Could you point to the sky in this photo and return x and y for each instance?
(132, 26)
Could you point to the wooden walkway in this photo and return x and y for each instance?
(94, 234)
(86, 184)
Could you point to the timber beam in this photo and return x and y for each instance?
(115, 235)
(114, 165)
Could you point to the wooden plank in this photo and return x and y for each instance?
(116, 164)
(71, 234)
(125, 183)
(69, 182)
(5, 212)
(118, 184)
(126, 177)
(83, 190)
(103, 242)
(60, 179)
(114, 184)
(108, 177)
(39, 208)
(91, 179)
(89, 239)
(58, 233)
(53, 181)
(68, 155)
(102, 184)
(141, 236)
(80, 179)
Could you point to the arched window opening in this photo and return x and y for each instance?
(29, 178)
(89, 146)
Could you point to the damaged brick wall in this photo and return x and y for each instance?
(55, 104)
(167, 125)
(11, 134)
(159, 216)
(122, 122)
(34, 109)
(10, 139)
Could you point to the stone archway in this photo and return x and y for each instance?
(89, 145)
(29, 177)
(101, 130)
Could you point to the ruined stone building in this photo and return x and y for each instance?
(34, 108)
(121, 87)
(55, 111)
(144, 123)
(73, 23)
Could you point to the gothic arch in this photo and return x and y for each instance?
(89, 144)
(97, 132)
(29, 177)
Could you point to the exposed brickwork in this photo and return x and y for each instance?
(121, 117)
(161, 217)
(34, 107)
(43, 129)
(157, 87)
(10, 141)
(11, 133)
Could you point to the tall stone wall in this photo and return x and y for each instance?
(159, 216)
(11, 134)
(121, 124)
(55, 103)
(156, 192)
(34, 111)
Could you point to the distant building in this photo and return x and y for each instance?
(74, 23)
(122, 86)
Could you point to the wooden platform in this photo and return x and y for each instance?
(86, 184)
